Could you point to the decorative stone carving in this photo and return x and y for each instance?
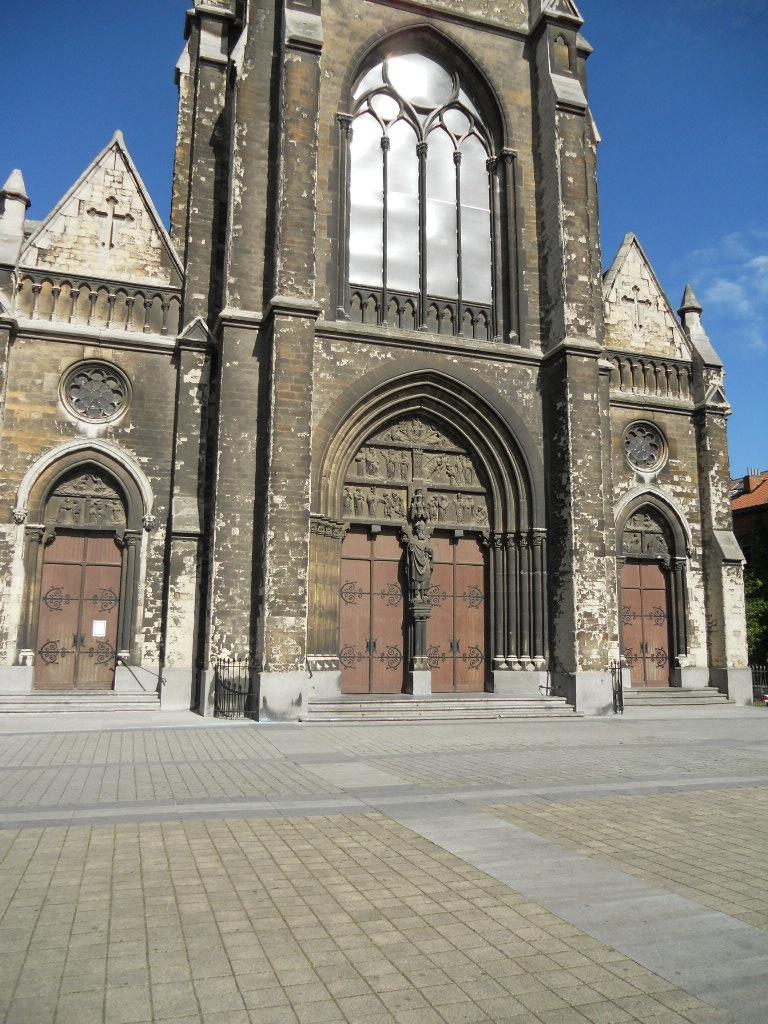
(20, 515)
(327, 528)
(148, 521)
(647, 535)
(414, 453)
(644, 447)
(96, 392)
(414, 431)
(84, 500)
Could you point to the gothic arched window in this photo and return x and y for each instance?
(421, 196)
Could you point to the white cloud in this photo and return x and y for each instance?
(722, 292)
(731, 279)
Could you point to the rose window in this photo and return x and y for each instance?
(96, 392)
(644, 447)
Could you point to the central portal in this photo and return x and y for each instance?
(374, 642)
(412, 589)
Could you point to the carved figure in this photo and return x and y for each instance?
(391, 465)
(359, 502)
(420, 560)
(432, 509)
(393, 506)
(404, 465)
(360, 464)
(99, 512)
(442, 508)
(469, 471)
(372, 501)
(69, 511)
(348, 502)
(371, 462)
(436, 463)
(481, 515)
(452, 472)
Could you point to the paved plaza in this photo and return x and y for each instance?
(168, 868)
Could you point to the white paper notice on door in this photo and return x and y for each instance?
(99, 628)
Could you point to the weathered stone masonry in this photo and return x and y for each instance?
(270, 441)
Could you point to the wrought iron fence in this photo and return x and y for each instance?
(760, 683)
(617, 679)
(234, 693)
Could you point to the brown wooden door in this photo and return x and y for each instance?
(456, 631)
(79, 611)
(372, 613)
(645, 623)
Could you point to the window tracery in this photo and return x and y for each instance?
(421, 198)
(95, 391)
(644, 447)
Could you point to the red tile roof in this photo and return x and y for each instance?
(755, 499)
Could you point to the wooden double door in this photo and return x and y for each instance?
(646, 626)
(79, 612)
(373, 614)
(457, 626)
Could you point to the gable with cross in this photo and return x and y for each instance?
(634, 299)
(110, 222)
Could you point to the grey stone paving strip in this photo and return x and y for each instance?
(708, 954)
(352, 800)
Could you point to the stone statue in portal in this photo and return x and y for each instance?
(420, 559)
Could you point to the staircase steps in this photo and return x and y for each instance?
(80, 701)
(439, 707)
(672, 697)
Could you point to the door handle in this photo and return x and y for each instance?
(373, 646)
(78, 640)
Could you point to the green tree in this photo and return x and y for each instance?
(756, 590)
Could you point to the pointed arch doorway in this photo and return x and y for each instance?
(81, 561)
(652, 589)
(414, 455)
(424, 460)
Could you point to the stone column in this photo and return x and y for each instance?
(722, 559)
(284, 478)
(198, 225)
(185, 600)
(582, 565)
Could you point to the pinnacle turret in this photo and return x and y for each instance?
(690, 303)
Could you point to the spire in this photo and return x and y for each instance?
(14, 203)
(690, 304)
(15, 187)
(690, 316)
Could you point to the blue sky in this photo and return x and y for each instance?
(678, 88)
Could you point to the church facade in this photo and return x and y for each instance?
(370, 414)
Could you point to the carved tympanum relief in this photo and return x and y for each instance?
(415, 453)
(97, 392)
(645, 447)
(647, 535)
(84, 499)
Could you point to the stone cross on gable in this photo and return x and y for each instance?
(638, 303)
(111, 222)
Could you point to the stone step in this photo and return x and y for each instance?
(437, 708)
(76, 701)
(673, 697)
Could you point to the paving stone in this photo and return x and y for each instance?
(350, 917)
